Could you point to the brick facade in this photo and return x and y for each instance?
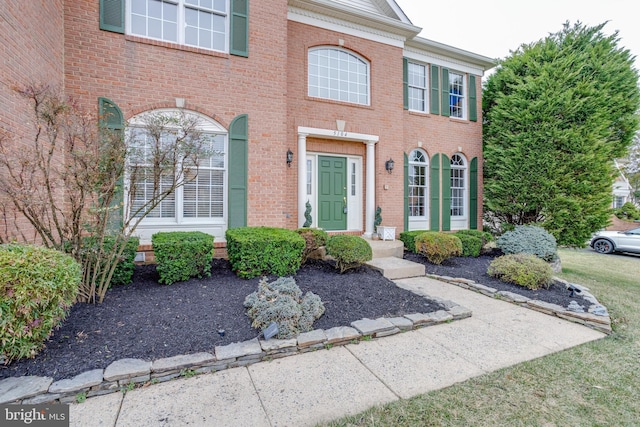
(270, 86)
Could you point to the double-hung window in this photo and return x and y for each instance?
(418, 168)
(339, 75)
(198, 23)
(456, 95)
(458, 185)
(417, 81)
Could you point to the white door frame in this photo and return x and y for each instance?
(369, 140)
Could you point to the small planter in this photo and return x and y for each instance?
(386, 233)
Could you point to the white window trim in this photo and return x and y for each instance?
(426, 87)
(424, 164)
(181, 22)
(212, 225)
(350, 52)
(465, 94)
(459, 222)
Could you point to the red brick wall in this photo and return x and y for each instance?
(139, 75)
(31, 52)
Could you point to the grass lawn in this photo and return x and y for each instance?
(595, 384)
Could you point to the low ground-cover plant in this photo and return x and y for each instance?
(281, 301)
(348, 251)
(437, 247)
(182, 254)
(254, 251)
(529, 239)
(409, 239)
(522, 269)
(314, 238)
(38, 286)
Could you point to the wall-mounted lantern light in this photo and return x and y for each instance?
(389, 164)
(289, 157)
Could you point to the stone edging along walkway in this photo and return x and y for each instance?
(597, 316)
(126, 374)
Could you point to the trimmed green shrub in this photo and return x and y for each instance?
(348, 251)
(437, 247)
(254, 251)
(313, 238)
(281, 301)
(529, 239)
(471, 245)
(38, 286)
(123, 273)
(182, 254)
(628, 212)
(409, 239)
(522, 269)
(485, 236)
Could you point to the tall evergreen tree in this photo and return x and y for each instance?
(557, 112)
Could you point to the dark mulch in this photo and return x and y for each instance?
(149, 321)
(476, 269)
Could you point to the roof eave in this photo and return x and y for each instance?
(484, 62)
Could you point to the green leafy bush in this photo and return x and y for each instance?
(281, 301)
(314, 238)
(348, 251)
(437, 247)
(485, 236)
(409, 239)
(471, 245)
(254, 251)
(628, 211)
(182, 254)
(38, 286)
(522, 269)
(529, 239)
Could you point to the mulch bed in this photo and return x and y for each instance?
(145, 320)
(149, 321)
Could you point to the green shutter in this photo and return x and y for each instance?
(434, 187)
(446, 193)
(112, 15)
(435, 89)
(473, 194)
(446, 104)
(238, 171)
(406, 192)
(405, 83)
(239, 28)
(473, 104)
(112, 120)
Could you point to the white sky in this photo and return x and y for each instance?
(493, 28)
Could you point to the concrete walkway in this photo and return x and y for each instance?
(305, 389)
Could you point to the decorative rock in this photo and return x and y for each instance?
(588, 297)
(556, 265)
(239, 349)
(275, 344)
(459, 312)
(598, 310)
(545, 307)
(372, 327)
(79, 382)
(419, 319)
(307, 339)
(183, 361)
(575, 307)
(486, 290)
(341, 334)
(17, 388)
(126, 368)
(401, 323)
(513, 297)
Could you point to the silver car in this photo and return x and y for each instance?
(606, 242)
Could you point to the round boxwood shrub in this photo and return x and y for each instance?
(409, 239)
(348, 251)
(529, 239)
(437, 247)
(38, 286)
(182, 254)
(522, 269)
(471, 245)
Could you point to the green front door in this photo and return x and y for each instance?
(332, 193)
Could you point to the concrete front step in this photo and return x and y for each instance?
(386, 248)
(397, 268)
